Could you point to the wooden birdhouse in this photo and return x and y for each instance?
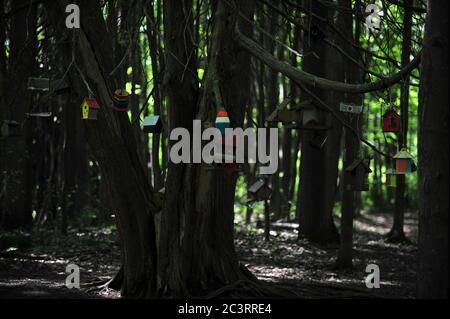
(89, 109)
(9, 129)
(222, 120)
(404, 162)
(391, 178)
(260, 191)
(121, 100)
(287, 116)
(358, 173)
(350, 108)
(391, 122)
(58, 86)
(318, 141)
(152, 124)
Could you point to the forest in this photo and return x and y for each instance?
(224, 149)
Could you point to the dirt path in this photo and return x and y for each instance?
(39, 272)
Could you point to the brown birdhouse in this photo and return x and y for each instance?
(391, 122)
(90, 109)
(152, 124)
(357, 176)
(260, 191)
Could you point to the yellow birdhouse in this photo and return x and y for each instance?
(90, 109)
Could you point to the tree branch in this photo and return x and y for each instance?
(302, 77)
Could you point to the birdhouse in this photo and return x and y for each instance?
(391, 178)
(391, 122)
(316, 34)
(318, 141)
(350, 108)
(222, 120)
(121, 100)
(287, 116)
(90, 109)
(358, 173)
(9, 129)
(45, 85)
(260, 191)
(39, 84)
(152, 124)
(403, 162)
(310, 116)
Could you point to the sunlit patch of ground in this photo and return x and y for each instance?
(287, 259)
(39, 271)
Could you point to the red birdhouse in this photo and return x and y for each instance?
(391, 122)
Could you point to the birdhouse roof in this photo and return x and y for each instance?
(92, 103)
(257, 186)
(403, 154)
(151, 120)
(391, 113)
(364, 162)
(11, 123)
(222, 120)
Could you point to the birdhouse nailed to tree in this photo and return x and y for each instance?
(391, 178)
(391, 122)
(222, 123)
(260, 191)
(58, 86)
(404, 162)
(120, 100)
(9, 129)
(222, 120)
(89, 109)
(358, 173)
(152, 124)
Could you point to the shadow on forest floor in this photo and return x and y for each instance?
(39, 271)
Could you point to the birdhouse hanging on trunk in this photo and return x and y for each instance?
(222, 120)
(391, 178)
(120, 100)
(9, 129)
(404, 162)
(260, 191)
(226, 156)
(357, 178)
(89, 109)
(152, 124)
(391, 122)
(58, 86)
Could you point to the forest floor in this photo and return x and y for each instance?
(38, 270)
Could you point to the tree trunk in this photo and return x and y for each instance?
(397, 233)
(197, 250)
(113, 144)
(314, 207)
(433, 155)
(16, 175)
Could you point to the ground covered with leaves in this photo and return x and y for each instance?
(33, 266)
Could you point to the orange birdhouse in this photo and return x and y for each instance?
(391, 122)
(90, 109)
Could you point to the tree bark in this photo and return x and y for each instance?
(397, 233)
(433, 155)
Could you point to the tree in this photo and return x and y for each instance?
(15, 211)
(433, 155)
